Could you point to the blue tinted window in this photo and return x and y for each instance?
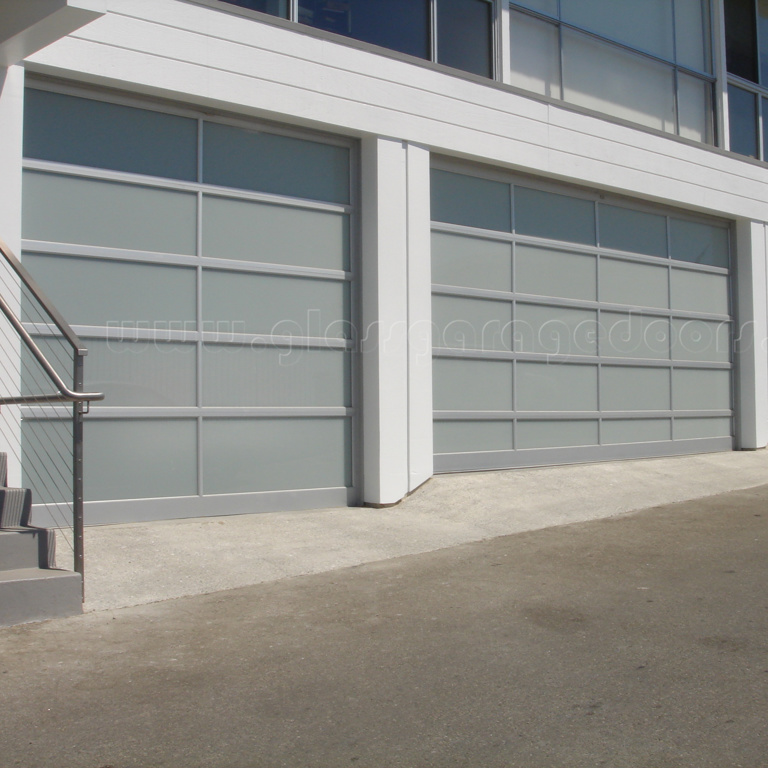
(401, 25)
(471, 201)
(464, 35)
(742, 118)
(272, 7)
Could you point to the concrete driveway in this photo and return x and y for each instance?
(638, 641)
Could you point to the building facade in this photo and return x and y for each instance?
(322, 249)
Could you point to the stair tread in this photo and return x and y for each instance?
(28, 574)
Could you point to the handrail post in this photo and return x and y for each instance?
(77, 472)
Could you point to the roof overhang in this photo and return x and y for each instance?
(28, 26)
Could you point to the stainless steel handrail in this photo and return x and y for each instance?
(64, 393)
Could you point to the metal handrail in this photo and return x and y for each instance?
(63, 393)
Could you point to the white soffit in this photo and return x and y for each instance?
(27, 26)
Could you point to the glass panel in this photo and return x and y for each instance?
(555, 330)
(471, 323)
(698, 243)
(236, 302)
(471, 262)
(555, 387)
(606, 79)
(742, 121)
(699, 292)
(140, 458)
(615, 431)
(556, 217)
(542, 6)
(691, 429)
(692, 33)
(762, 39)
(117, 294)
(535, 55)
(694, 108)
(471, 201)
(641, 285)
(46, 464)
(646, 25)
(741, 38)
(464, 35)
(634, 335)
(700, 340)
(267, 376)
(764, 107)
(544, 272)
(555, 434)
(238, 229)
(472, 385)
(635, 231)
(699, 390)
(140, 373)
(471, 436)
(634, 388)
(280, 165)
(272, 7)
(402, 25)
(66, 209)
(69, 129)
(242, 455)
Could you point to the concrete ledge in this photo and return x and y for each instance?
(35, 594)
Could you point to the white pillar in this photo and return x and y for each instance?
(396, 335)
(751, 354)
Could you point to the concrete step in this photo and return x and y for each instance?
(15, 507)
(36, 594)
(26, 548)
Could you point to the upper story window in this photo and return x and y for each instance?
(646, 61)
(746, 42)
(457, 33)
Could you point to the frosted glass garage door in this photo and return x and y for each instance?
(208, 267)
(571, 328)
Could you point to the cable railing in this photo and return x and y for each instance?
(42, 404)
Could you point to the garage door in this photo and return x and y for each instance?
(207, 265)
(570, 327)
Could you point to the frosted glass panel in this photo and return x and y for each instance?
(699, 292)
(555, 330)
(555, 434)
(472, 436)
(642, 285)
(471, 262)
(65, 209)
(635, 430)
(140, 373)
(552, 387)
(557, 217)
(689, 429)
(535, 57)
(634, 389)
(692, 33)
(634, 335)
(694, 108)
(699, 243)
(282, 165)
(265, 376)
(647, 25)
(70, 129)
(542, 6)
(471, 323)
(140, 458)
(471, 201)
(472, 385)
(618, 83)
(248, 231)
(635, 231)
(700, 340)
(544, 272)
(697, 390)
(116, 293)
(235, 302)
(242, 455)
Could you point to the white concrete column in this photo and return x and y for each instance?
(11, 135)
(395, 337)
(751, 353)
